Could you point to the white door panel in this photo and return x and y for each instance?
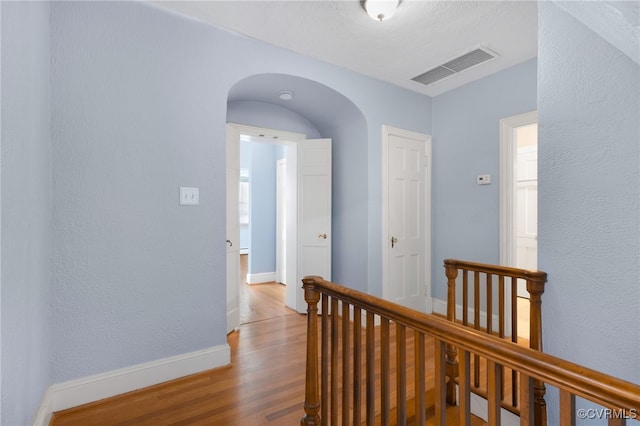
(314, 211)
(405, 251)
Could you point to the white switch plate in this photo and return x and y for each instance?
(483, 179)
(189, 196)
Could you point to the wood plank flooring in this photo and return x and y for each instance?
(264, 385)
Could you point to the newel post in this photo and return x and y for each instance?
(450, 351)
(311, 392)
(535, 287)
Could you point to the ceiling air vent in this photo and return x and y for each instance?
(454, 66)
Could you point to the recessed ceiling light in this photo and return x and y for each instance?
(286, 95)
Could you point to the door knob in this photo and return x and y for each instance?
(229, 243)
(394, 240)
(322, 236)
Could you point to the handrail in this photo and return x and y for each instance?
(505, 277)
(580, 381)
(495, 269)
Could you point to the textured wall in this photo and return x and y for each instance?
(137, 114)
(589, 192)
(26, 210)
(140, 101)
(466, 143)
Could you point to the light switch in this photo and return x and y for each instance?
(189, 196)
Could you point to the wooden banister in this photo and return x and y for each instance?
(483, 278)
(571, 379)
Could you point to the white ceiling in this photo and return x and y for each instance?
(420, 36)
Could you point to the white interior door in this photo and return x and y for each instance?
(406, 279)
(313, 212)
(233, 229)
(526, 210)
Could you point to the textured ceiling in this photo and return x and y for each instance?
(420, 36)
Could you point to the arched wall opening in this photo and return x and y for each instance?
(318, 111)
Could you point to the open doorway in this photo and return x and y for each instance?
(519, 202)
(308, 213)
(262, 228)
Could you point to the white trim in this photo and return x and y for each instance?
(43, 416)
(264, 277)
(507, 193)
(440, 308)
(507, 190)
(386, 131)
(244, 129)
(100, 386)
(244, 251)
(479, 408)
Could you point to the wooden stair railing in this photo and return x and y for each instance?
(335, 379)
(486, 283)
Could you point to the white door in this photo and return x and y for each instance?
(313, 212)
(233, 229)
(281, 221)
(526, 220)
(407, 219)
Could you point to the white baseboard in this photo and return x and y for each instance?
(264, 277)
(479, 408)
(440, 307)
(100, 386)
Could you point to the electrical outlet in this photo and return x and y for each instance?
(483, 179)
(189, 196)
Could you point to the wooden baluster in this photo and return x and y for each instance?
(501, 307)
(489, 304)
(567, 408)
(476, 325)
(401, 375)
(385, 373)
(465, 297)
(420, 386)
(334, 362)
(452, 363)
(526, 401)
(440, 386)
(464, 389)
(617, 421)
(324, 391)
(514, 333)
(311, 397)
(357, 366)
(345, 363)
(535, 287)
(494, 383)
(371, 370)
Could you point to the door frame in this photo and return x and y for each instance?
(237, 130)
(386, 132)
(507, 179)
(508, 156)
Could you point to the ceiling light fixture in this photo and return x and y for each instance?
(286, 95)
(380, 10)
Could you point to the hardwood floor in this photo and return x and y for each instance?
(260, 301)
(264, 385)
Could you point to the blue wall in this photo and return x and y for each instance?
(466, 143)
(262, 210)
(26, 210)
(589, 186)
(140, 101)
